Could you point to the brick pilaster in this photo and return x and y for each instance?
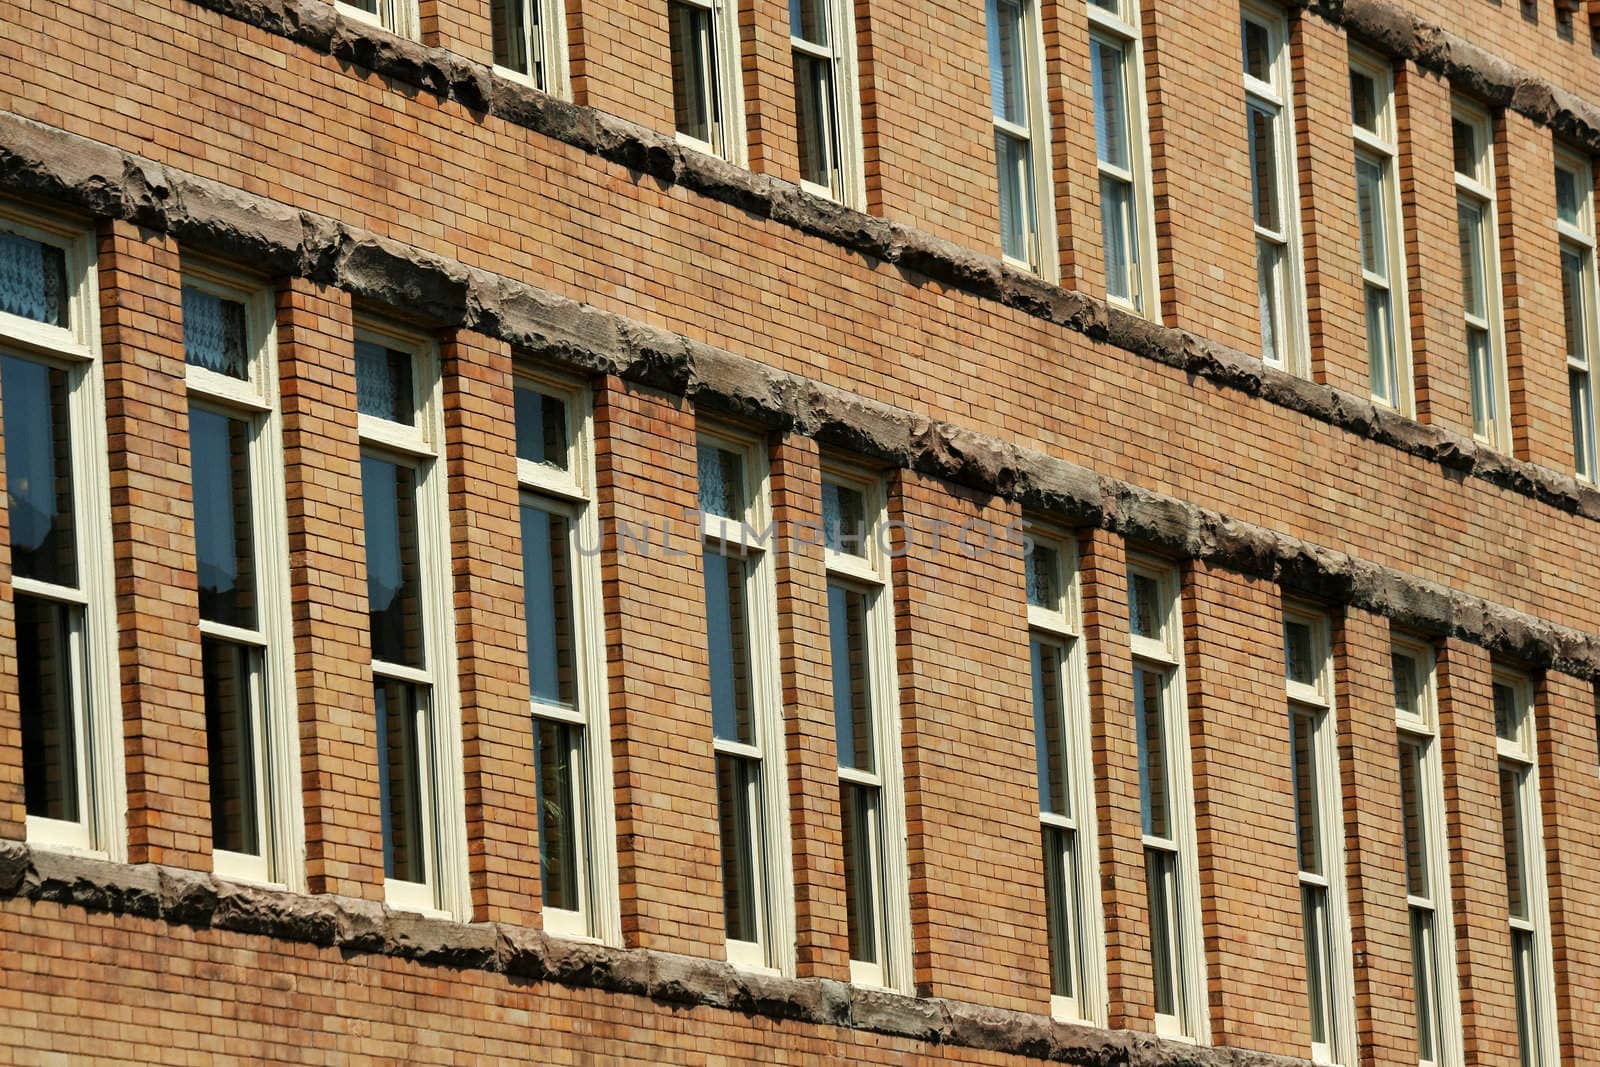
(461, 26)
(768, 68)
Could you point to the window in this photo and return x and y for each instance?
(57, 496)
(746, 703)
(1127, 214)
(1473, 136)
(566, 662)
(706, 97)
(399, 17)
(1021, 132)
(1274, 189)
(1066, 783)
(1372, 124)
(822, 36)
(241, 556)
(866, 717)
(1319, 836)
(411, 623)
(530, 42)
(1166, 792)
(1527, 899)
(1433, 957)
(1575, 224)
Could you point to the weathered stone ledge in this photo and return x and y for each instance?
(66, 169)
(1384, 25)
(529, 957)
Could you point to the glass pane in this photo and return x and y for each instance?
(1512, 837)
(1145, 613)
(214, 333)
(1007, 64)
(844, 519)
(1060, 900)
(728, 640)
(219, 448)
(1469, 229)
(1121, 242)
(859, 821)
(556, 748)
(1582, 422)
(852, 687)
(1414, 818)
(1381, 355)
(1160, 873)
(1257, 50)
(1364, 101)
(1570, 196)
(1299, 653)
(46, 689)
(1372, 207)
(547, 600)
(721, 482)
(383, 384)
(1507, 712)
(1480, 368)
(1014, 166)
(1314, 922)
(1574, 302)
(1110, 102)
(230, 674)
(1425, 985)
(1269, 295)
(33, 280)
(400, 778)
(38, 460)
(808, 20)
(1150, 720)
(1407, 684)
(693, 70)
(394, 581)
(541, 428)
(739, 817)
(1465, 142)
(1044, 576)
(816, 120)
(509, 18)
(1527, 1010)
(1050, 728)
(1307, 802)
(1264, 168)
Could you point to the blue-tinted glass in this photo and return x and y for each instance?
(728, 641)
(38, 463)
(852, 708)
(547, 600)
(1049, 725)
(541, 428)
(388, 493)
(219, 447)
(33, 280)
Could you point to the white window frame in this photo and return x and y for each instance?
(1039, 187)
(1117, 23)
(399, 17)
(725, 93)
(545, 43)
(570, 493)
(420, 447)
(1276, 99)
(745, 537)
(1522, 753)
(1383, 148)
(274, 712)
(102, 829)
(1422, 728)
(870, 573)
(1480, 194)
(1580, 238)
(1164, 655)
(1062, 626)
(1317, 700)
(844, 125)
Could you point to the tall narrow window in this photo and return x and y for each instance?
(1473, 136)
(867, 729)
(566, 668)
(1319, 837)
(746, 702)
(411, 623)
(1066, 787)
(1372, 123)
(241, 543)
(1127, 213)
(706, 97)
(822, 38)
(1269, 121)
(1433, 958)
(399, 17)
(1575, 224)
(1166, 791)
(1021, 132)
(1527, 896)
(51, 389)
(530, 42)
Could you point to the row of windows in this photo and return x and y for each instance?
(50, 399)
(708, 108)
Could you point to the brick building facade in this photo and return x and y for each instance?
(701, 532)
